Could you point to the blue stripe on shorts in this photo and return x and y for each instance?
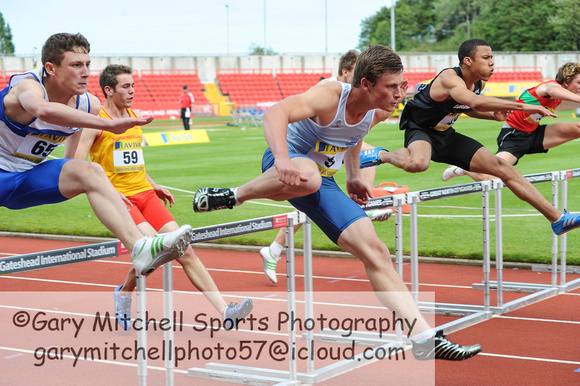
(37, 186)
(329, 208)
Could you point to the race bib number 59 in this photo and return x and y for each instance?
(127, 161)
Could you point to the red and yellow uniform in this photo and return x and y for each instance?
(121, 156)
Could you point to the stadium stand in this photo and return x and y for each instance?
(417, 75)
(248, 87)
(296, 81)
(516, 74)
(165, 86)
(94, 87)
(3, 82)
(158, 90)
(251, 91)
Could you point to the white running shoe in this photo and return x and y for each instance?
(122, 308)
(269, 264)
(451, 171)
(379, 214)
(149, 253)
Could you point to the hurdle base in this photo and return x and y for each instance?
(242, 375)
(548, 268)
(259, 376)
(450, 309)
(359, 338)
(572, 285)
(514, 287)
(466, 321)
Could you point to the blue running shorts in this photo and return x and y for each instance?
(37, 186)
(329, 208)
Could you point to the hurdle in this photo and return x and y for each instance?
(65, 256)
(58, 257)
(263, 376)
(252, 375)
(79, 254)
(216, 232)
(471, 314)
(564, 286)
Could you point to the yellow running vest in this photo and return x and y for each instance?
(121, 156)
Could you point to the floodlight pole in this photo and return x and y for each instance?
(228, 28)
(393, 25)
(265, 40)
(326, 27)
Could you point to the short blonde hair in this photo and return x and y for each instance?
(567, 73)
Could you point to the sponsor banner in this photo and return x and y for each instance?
(280, 221)
(58, 257)
(433, 194)
(540, 177)
(507, 89)
(573, 173)
(379, 202)
(176, 137)
(234, 229)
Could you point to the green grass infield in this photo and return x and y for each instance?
(450, 227)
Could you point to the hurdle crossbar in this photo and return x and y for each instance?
(58, 257)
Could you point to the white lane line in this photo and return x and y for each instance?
(529, 358)
(538, 319)
(328, 278)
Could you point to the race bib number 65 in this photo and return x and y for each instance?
(36, 147)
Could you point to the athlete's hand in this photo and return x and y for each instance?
(124, 198)
(358, 191)
(119, 126)
(533, 109)
(501, 115)
(165, 195)
(288, 172)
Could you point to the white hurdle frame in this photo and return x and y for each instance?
(261, 376)
(470, 314)
(253, 375)
(476, 313)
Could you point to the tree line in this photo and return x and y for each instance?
(508, 25)
(6, 45)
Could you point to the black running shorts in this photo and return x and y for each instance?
(519, 143)
(449, 146)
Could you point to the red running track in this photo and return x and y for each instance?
(537, 344)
